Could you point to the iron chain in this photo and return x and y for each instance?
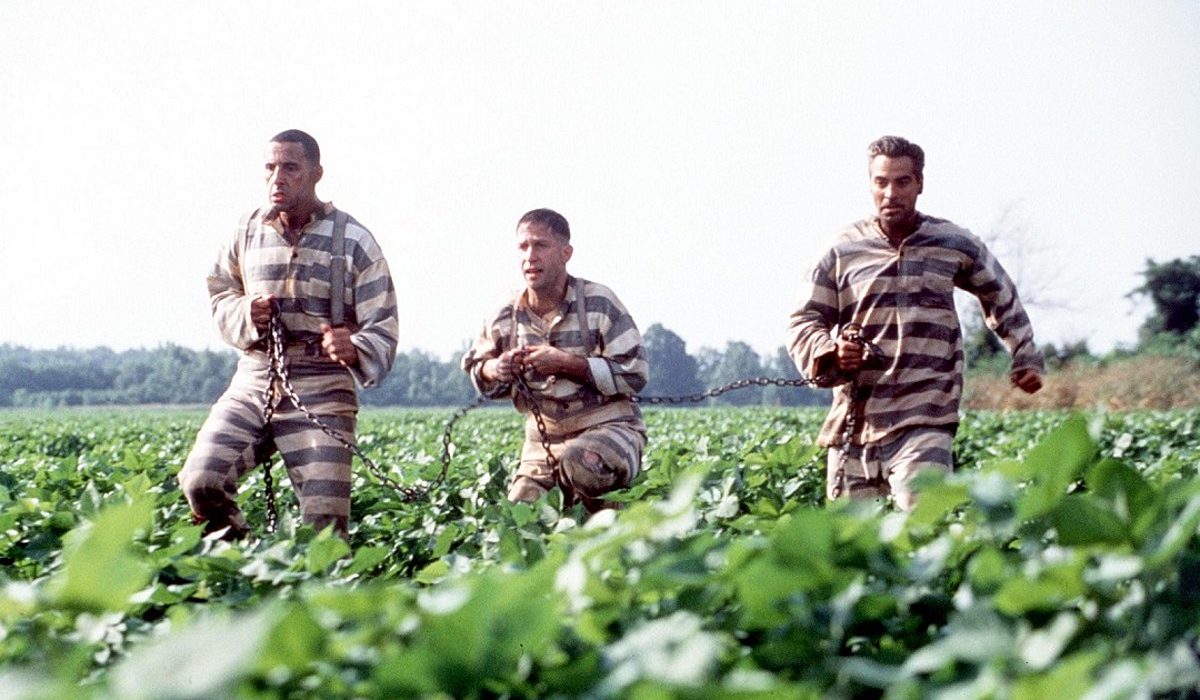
(277, 378)
(731, 386)
(527, 392)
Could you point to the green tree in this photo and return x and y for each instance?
(781, 365)
(1174, 289)
(739, 361)
(673, 372)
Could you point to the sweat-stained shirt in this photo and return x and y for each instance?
(616, 362)
(259, 260)
(903, 299)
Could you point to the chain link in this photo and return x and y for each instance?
(277, 378)
(731, 386)
(527, 392)
(448, 430)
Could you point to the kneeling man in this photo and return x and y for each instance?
(581, 360)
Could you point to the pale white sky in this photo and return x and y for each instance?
(704, 152)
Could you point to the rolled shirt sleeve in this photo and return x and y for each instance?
(1003, 312)
(227, 294)
(810, 327)
(378, 329)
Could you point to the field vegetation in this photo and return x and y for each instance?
(1060, 561)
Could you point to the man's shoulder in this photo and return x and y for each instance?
(854, 231)
(851, 238)
(593, 288)
(358, 236)
(601, 297)
(251, 218)
(947, 234)
(355, 230)
(943, 226)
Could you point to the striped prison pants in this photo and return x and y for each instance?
(234, 439)
(877, 470)
(591, 462)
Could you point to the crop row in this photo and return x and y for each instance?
(1061, 559)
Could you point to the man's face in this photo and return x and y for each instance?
(544, 258)
(291, 178)
(894, 186)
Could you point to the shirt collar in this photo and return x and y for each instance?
(325, 210)
(879, 229)
(523, 298)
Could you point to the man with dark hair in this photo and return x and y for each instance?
(879, 325)
(285, 259)
(567, 348)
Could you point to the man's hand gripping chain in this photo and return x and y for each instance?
(872, 355)
(278, 382)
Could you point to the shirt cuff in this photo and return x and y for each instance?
(602, 375)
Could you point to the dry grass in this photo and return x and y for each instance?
(1142, 382)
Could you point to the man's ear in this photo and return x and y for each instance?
(920, 184)
(320, 174)
(567, 250)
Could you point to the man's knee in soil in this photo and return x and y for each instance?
(587, 472)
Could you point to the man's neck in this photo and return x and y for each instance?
(896, 234)
(542, 303)
(294, 221)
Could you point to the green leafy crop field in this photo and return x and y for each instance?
(1061, 560)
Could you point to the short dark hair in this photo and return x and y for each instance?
(898, 147)
(553, 221)
(307, 143)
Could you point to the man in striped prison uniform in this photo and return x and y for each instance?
(282, 255)
(880, 325)
(582, 355)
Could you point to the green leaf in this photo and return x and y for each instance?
(1053, 465)
(292, 644)
(937, 501)
(366, 558)
(205, 660)
(1069, 678)
(1056, 586)
(987, 570)
(433, 572)
(101, 571)
(806, 537)
(1178, 535)
(445, 540)
(324, 551)
(1082, 520)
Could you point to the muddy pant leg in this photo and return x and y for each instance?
(318, 466)
(534, 476)
(225, 450)
(600, 460)
(853, 472)
(918, 450)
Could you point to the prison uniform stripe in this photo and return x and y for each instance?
(614, 336)
(259, 261)
(903, 299)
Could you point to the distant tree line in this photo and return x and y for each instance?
(171, 374)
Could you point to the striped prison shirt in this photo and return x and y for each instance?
(903, 299)
(259, 260)
(617, 363)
